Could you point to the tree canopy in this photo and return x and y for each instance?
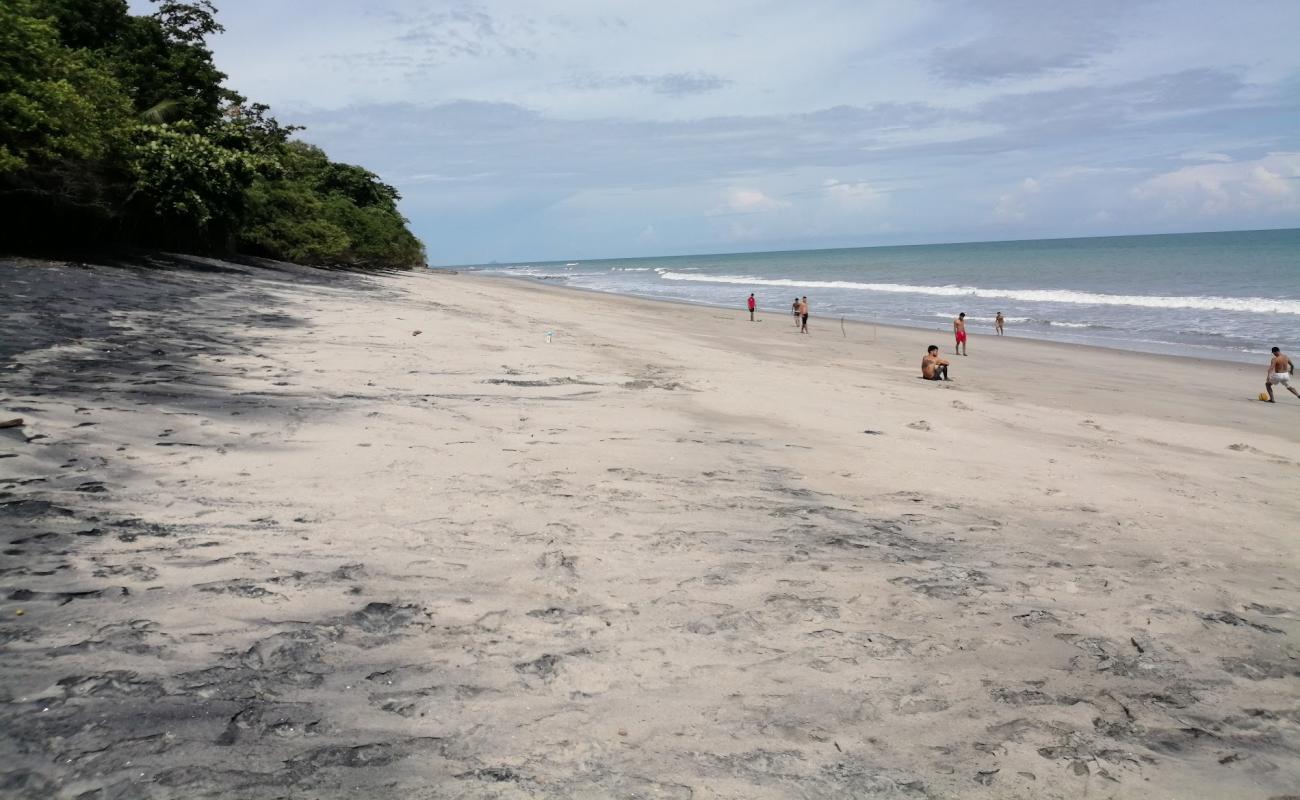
(116, 129)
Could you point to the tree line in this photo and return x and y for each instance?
(116, 130)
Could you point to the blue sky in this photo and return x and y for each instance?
(581, 129)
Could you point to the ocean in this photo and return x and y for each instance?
(1228, 296)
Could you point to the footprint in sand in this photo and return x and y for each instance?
(1241, 447)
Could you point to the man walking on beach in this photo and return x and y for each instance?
(998, 322)
(1280, 371)
(753, 304)
(803, 314)
(794, 309)
(959, 331)
(934, 368)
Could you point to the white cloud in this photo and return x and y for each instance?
(747, 201)
(1011, 206)
(853, 197)
(1270, 183)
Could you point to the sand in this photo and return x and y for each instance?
(275, 532)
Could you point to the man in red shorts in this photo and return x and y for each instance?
(959, 331)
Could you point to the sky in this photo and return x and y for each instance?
(575, 129)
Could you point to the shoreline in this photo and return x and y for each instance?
(942, 336)
(274, 532)
(941, 329)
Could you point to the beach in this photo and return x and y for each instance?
(278, 532)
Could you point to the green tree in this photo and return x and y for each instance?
(189, 183)
(116, 128)
(325, 212)
(55, 103)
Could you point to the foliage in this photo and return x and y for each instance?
(55, 103)
(318, 207)
(186, 178)
(116, 129)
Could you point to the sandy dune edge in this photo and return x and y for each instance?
(267, 541)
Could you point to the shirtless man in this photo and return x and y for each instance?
(998, 322)
(934, 368)
(794, 309)
(1280, 371)
(803, 314)
(959, 331)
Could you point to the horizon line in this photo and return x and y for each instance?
(859, 247)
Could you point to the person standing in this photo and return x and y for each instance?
(959, 332)
(998, 322)
(753, 304)
(803, 315)
(1280, 372)
(794, 309)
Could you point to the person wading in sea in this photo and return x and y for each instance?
(998, 322)
(1280, 372)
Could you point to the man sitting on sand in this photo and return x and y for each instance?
(959, 331)
(934, 368)
(1280, 371)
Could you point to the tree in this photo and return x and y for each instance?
(187, 184)
(116, 128)
(55, 103)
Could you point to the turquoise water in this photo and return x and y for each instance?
(1230, 296)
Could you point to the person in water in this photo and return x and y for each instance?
(1280, 372)
(998, 322)
(934, 368)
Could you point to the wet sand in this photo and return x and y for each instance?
(275, 532)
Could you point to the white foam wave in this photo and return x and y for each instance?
(1255, 305)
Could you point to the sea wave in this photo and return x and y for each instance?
(1254, 305)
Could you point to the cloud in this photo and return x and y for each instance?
(518, 132)
(673, 84)
(1012, 206)
(747, 201)
(1202, 156)
(996, 58)
(1111, 105)
(852, 197)
(1270, 183)
(1020, 39)
(466, 31)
